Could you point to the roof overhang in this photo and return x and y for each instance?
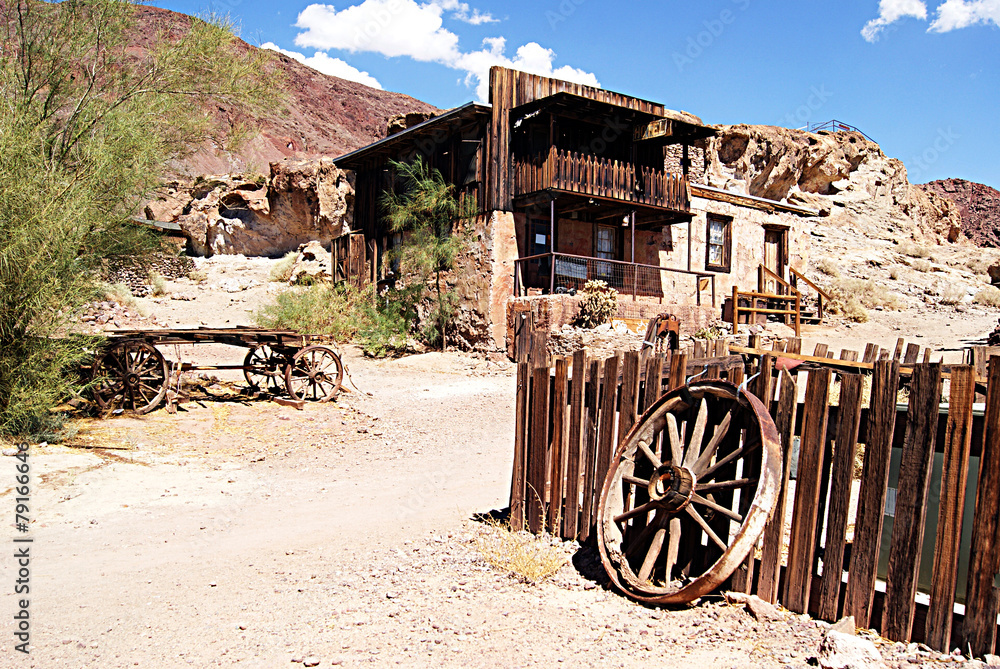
(395, 145)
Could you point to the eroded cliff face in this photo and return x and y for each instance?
(979, 206)
(843, 175)
(301, 201)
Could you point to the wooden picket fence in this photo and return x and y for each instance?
(573, 412)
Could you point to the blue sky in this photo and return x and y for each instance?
(920, 77)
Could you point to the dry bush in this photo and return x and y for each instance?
(978, 264)
(921, 265)
(828, 267)
(198, 276)
(282, 270)
(853, 297)
(527, 557)
(894, 274)
(989, 297)
(157, 284)
(952, 294)
(913, 250)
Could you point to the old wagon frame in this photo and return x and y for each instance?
(131, 374)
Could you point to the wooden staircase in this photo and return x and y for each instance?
(784, 301)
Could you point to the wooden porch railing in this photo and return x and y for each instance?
(564, 271)
(821, 294)
(596, 177)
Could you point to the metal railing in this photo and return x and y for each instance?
(836, 126)
(593, 176)
(562, 272)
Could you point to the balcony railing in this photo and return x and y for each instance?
(596, 177)
(558, 272)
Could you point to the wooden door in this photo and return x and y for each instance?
(774, 258)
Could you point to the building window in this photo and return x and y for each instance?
(606, 244)
(720, 243)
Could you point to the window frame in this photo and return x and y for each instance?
(727, 243)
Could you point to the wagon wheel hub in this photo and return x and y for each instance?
(672, 487)
(132, 380)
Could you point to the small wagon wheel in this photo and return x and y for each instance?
(315, 374)
(130, 375)
(264, 369)
(688, 493)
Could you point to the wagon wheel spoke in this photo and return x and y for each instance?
(674, 436)
(635, 480)
(740, 452)
(729, 513)
(725, 485)
(713, 446)
(652, 554)
(637, 511)
(706, 528)
(673, 546)
(697, 435)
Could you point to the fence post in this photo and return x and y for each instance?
(736, 309)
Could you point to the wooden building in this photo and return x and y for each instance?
(574, 183)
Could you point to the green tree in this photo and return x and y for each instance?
(425, 212)
(91, 111)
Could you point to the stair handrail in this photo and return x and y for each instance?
(764, 270)
(810, 283)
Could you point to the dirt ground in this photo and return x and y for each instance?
(245, 533)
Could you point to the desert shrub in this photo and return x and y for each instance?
(921, 265)
(952, 294)
(198, 276)
(978, 264)
(894, 274)
(157, 284)
(711, 333)
(989, 297)
(599, 304)
(527, 557)
(379, 324)
(828, 267)
(913, 250)
(281, 271)
(853, 297)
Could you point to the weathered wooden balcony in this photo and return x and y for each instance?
(588, 175)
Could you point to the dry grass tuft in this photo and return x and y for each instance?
(853, 297)
(978, 264)
(913, 250)
(198, 276)
(989, 296)
(527, 557)
(921, 265)
(828, 267)
(282, 270)
(952, 295)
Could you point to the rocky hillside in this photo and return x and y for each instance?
(843, 175)
(322, 115)
(979, 206)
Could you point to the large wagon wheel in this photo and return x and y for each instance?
(130, 375)
(688, 493)
(264, 369)
(315, 374)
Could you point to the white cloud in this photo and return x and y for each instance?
(890, 11)
(407, 28)
(321, 62)
(955, 14)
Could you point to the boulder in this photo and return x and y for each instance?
(978, 206)
(302, 201)
(844, 651)
(312, 265)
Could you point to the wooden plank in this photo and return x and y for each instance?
(979, 626)
(871, 499)
(774, 532)
(899, 349)
(557, 449)
(912, 354)
(539, 348)
(591, 490)
(606, 442)
(653, 385)
(629, 403)
(802, 547)
(678, 370)
(535, 491)
(871, 353)
(574, 446)
(954, 476)
(794, 345)
(842, 473)
(517, 484)
(821, 350)
(911, 503)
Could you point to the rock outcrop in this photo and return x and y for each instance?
(843, 175)
(302, 201)
(978, 205)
